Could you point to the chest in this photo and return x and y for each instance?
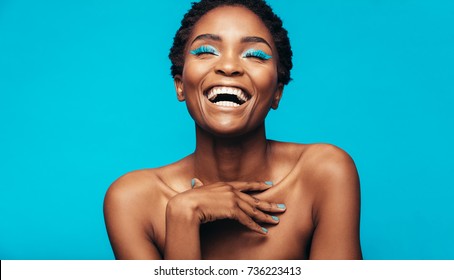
(289, 239)
(227, 239)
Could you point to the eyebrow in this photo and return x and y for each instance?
(248, 39)
(207, 37)
(255, 39)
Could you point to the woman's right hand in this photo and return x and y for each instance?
(226, 200)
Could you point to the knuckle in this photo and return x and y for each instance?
(250, 222)
(231, 196)
(232, 203)
(269, 206)
(263, 205)
(254, 210)
(267, 217)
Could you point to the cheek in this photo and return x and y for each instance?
(265, 78)
(193, 73)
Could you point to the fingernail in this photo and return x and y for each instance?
(281, 206)
(264, 230)
(275, 218)
(269, 183)
(192, 183)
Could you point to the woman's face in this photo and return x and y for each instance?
(229, 79)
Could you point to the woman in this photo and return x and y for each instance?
(239, 195)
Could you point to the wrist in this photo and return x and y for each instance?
(183, 210)
(182, 229)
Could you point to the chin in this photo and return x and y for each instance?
(229, 129)
(226, 131)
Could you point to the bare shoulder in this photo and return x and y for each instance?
(328, 162)
(331, 173)
(132, 195)
(148, 185)
(133, 187)
(324, 178)
(316, 162)
(324, 169)
(133, 206)
(332, 176)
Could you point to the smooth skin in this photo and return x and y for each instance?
(217, 203)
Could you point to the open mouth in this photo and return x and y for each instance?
(227, 96)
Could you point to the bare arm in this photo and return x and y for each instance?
(128, 216)
(125, 215)
(336, 209)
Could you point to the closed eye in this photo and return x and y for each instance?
(205, 49)
(257, 54)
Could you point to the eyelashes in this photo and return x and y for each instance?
(253, 53)
(205, 49)
(257, 54)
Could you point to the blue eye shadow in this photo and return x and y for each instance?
(205, 49)
(257, 53)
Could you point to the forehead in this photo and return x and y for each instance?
(231, 22)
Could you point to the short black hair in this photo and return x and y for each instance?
(258, 7)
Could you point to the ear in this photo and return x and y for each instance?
(177, 80)
(277, 96)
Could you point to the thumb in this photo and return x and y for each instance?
(196, 183)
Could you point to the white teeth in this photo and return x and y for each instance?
(227, 90)
(227, 104)
(211, 94)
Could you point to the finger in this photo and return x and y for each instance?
(251, 186)
(256, 214)
(271, 207)
(247, 221)
(262, 204)
(196, 183)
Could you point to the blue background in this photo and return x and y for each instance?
(86, 96)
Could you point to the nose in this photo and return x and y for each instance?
(229, 65)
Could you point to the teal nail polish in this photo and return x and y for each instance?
(275, 218)
(264, 230)
(269, 183)
(281, 206)
(192, 183)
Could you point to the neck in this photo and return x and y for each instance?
(242, 158)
